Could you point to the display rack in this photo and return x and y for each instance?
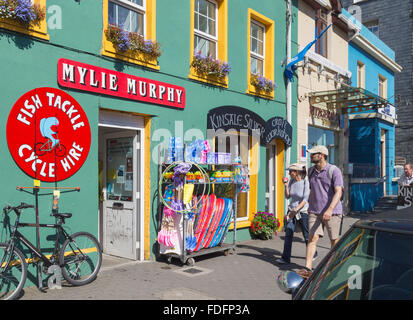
(187, 257)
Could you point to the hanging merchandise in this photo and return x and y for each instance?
(168, 234)
(175, 150)
(199, 151)
(199, 220)
(213, 222)
(241, 176)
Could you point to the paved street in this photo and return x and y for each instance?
(249, 274)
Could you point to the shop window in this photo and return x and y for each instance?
(261, 37)
(38, 30)
(320, 25)
(243, 146)
(132, 16)
(208, 37)
(360, 75)
(382, 87)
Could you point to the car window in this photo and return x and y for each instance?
(368, 264)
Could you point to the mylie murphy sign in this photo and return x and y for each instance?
(85, 77)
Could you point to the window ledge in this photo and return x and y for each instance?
(259, 93)
(131, 57)
(34, 31)
(221, 82)
(240, 225)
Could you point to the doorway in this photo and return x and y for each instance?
(271, 178)
(383, 159)
(120, 184)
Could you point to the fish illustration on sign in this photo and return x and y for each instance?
(47, 132)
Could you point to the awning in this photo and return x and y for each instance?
(348, 100)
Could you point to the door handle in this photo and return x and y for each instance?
(117, 205)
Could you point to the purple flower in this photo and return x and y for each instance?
(226, 68)
(123, 40)
(148, 46)
(24, 11)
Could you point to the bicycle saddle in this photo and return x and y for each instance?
(61, 215)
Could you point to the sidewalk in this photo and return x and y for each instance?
(249, 274)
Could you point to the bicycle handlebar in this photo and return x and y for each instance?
(18, 208)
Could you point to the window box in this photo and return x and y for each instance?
(262, 84)
(210, 68)
(24, 16)
(123, 41)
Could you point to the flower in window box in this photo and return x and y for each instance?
(262, 83)
(22, 11)
(124, 41)
(139, 44)
(119, 38)
(210, 66)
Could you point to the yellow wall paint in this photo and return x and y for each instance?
(253, 193)
(39, 31)
(279, 185)
(147, 186)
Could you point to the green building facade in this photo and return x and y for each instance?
(73, 37)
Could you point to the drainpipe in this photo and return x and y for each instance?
(289, 88)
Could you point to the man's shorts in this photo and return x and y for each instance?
(316, 225)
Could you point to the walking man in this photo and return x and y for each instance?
(325, 209)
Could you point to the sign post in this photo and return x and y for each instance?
(48, 136)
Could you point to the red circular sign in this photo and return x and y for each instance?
(48, 134)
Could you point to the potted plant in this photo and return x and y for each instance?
(209, 66)
(123, 41)
(22, 11)
(264, 225)
(262, 84)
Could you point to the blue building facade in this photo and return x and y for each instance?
(371, 130)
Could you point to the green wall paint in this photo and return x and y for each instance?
(27, 63)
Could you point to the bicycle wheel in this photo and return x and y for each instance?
(60, 150)
(80, 258)
(38, 149)
(12, 276)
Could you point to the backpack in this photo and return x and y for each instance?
(330, 175)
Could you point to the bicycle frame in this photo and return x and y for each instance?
(16, 235)
(47, 146)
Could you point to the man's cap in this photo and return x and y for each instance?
(319, 149)
(296, 166)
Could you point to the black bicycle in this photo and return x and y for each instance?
(79, 257)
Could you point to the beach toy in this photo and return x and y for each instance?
(188, 190)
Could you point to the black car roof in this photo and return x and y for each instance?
(397, 221)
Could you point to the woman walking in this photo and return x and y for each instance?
(298, 190)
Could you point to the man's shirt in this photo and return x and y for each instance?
(323, 190)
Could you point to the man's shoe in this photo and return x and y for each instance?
(281, 261)
(315, 255)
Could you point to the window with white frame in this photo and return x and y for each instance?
(128, 15)
(206, 28)
(360, 74)
(257, 51)
(382, 87)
